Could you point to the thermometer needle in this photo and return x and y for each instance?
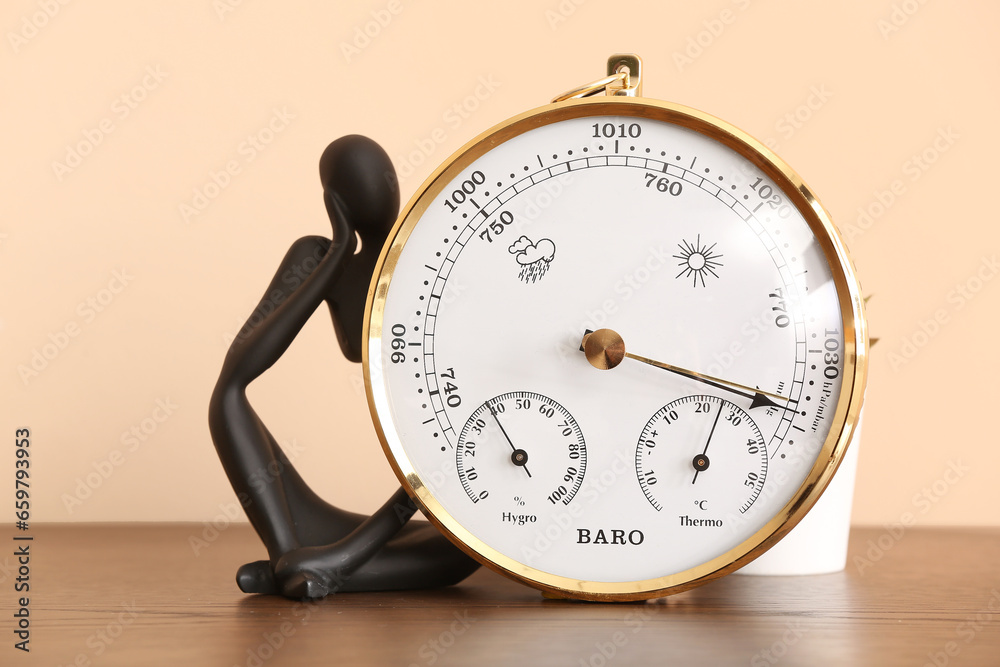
(605, 349)
(701, 461)
(519, 457)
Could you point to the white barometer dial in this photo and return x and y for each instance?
(615, 348)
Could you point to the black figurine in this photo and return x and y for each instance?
(314, 548)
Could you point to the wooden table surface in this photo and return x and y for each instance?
(141, 595)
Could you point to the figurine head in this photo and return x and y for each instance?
(359, 175)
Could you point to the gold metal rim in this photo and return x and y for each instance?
(855, 346)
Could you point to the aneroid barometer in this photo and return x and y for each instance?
(615, 347)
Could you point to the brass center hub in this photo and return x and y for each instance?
(604, 348)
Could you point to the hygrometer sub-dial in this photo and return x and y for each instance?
(521, 452)
(701, 458)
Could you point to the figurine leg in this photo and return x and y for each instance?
(383, 553)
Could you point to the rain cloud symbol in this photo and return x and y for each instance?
(534, 258)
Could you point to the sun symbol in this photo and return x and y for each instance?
(697, 261)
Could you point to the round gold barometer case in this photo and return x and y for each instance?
(615, 347)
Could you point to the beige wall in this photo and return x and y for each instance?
(882, 93)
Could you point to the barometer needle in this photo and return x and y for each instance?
(758, 396)
(608, 349)
(521, 460)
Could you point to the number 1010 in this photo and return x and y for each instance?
(622, 131)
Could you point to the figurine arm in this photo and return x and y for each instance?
(243, 443)
(301, 284)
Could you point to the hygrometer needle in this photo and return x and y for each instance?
(519, 456)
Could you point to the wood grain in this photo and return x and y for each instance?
(141, 595)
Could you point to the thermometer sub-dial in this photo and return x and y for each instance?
(524, 449)
(701, 457)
